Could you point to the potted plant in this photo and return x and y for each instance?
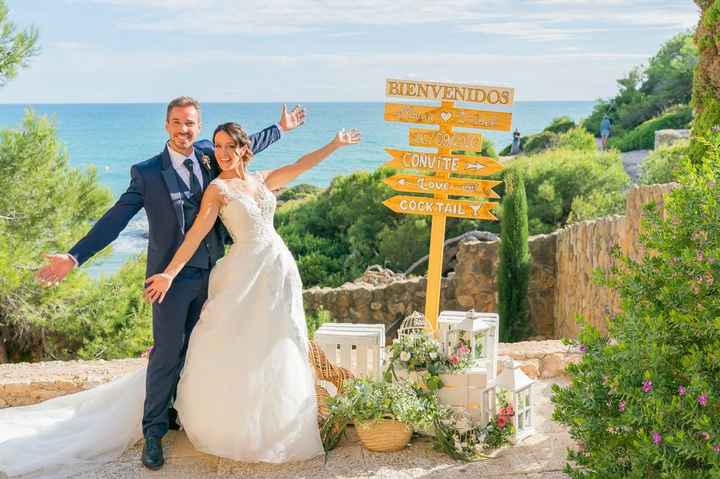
(384, 413)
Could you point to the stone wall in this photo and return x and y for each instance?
(561, 280)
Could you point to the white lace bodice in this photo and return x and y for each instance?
(248, 219)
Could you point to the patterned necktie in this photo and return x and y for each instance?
(195, 187)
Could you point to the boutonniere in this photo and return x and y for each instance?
(205, 160)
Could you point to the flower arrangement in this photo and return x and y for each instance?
(420, 353)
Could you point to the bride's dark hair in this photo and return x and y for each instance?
(239, 136)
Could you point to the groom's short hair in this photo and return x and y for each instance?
(180, 102)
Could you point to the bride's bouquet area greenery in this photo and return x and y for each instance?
(409, 394)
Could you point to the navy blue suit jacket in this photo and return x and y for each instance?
(154, 186)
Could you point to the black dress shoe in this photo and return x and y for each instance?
(173, 423)
(152, 455)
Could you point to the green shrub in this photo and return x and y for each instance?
(514, 265)
(644, 401)
(664, 164)
(298, 192)
(556, 179)
(576, 139)
(539, 142)
(643, 136)
(560, 125)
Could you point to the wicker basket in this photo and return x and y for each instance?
(384, 435)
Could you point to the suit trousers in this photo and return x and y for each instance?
(173, 321)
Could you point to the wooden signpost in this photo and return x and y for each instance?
(443, 163)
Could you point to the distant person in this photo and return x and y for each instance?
(515, 148)
(605, 131)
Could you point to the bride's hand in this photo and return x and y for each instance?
(156, 286)
(347, 137)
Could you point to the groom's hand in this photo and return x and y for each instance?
(289, 120)
(58, 267)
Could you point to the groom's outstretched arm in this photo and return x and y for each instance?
(113, 221)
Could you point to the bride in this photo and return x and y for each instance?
(247, 391)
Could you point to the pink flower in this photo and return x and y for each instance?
(647, 386)
(682, 391)
(583, 348)
(656, 437)
(501, 421)
(716, 448)
(621, 406)
(705, 436)
(703, 399)
(454, 359)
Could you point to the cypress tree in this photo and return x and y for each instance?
(514, 267)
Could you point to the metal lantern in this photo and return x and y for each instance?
(412, 325)
(519, 387)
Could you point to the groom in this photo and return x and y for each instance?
(169, 186)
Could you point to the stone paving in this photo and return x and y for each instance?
(541, 456)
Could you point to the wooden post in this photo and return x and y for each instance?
(437, 241)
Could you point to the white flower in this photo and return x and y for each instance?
(433, 355)
(404, 356)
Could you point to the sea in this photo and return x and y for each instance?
(112, 137)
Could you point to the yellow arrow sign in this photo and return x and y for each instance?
(458, 164)
(437, 139)
(460, 117)
(493, 95)
(416, 205)
(449, 186)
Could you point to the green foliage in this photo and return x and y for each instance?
(643, 402)
(643, 136)
(488, 149)
(539, 142)
(664, 164)
(419, 353)
(596, 205)
(646, 92)
(298, 192)
(706, 84)
(316, 319)
(336, 234)
(365, 400)
(557, 179)
(560, 133)
(576, 139)
(46, 205)
(560, 124)
(16, 48)
(514, 264)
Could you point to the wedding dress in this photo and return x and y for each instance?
(246, 392)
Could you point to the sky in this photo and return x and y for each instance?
(331, 50)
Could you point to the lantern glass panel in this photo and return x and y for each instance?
(479, 352)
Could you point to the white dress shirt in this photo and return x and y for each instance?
(178, 159)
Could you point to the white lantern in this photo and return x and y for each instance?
(519, 389)
(477, 330)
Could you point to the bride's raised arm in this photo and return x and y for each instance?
(159, 284)
(280, 177)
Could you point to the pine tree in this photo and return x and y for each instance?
(16, 48)
(706, 84)
(514, 268)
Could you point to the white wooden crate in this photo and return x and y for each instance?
(470, 390)
(357, 347)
